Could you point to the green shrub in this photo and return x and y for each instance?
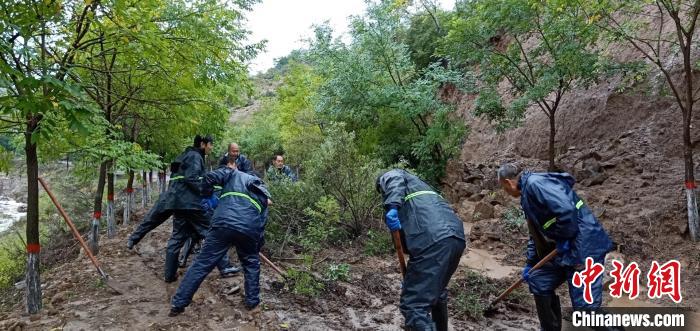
(287, 215)
(378, 243)
(513, 219)
(339, 272)
(348, 176)
(323, 224)
(12, 260)
(304, 283)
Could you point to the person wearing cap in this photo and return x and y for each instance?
(184, 200)
(433, 236)
(557, 219)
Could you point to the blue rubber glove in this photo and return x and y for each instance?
(214, 201)
(392, 220)
(210, 203)
(563, 247)
(526, 272)
(205, 204)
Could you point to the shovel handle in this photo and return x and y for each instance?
(515, 285)
(72, 227)
(272, 265)
(396, 236)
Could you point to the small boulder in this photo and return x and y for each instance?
(60, 297)
(597, 179)
(482, 211)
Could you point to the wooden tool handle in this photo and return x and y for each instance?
(72, 227)
(272, 265)
(399, 251)
(546, 259)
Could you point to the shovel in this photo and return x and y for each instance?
(76, 234)
(491, 309)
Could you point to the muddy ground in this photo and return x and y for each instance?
(75, 298)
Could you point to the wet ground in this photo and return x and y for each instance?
(76, 299)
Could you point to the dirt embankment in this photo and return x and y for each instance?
(625, 152)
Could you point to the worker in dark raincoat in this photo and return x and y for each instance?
(184, 201)
(238, 221)
(433, 236)
(558, 219)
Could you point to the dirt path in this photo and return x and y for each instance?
(76, 300)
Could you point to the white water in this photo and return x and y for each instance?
(9, 213)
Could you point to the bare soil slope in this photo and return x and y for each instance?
(625, 152)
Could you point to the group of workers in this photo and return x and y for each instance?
(227, 207)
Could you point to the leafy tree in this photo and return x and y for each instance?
(630, 22)
(195, 48)
(372, 85)
(39, 40)
(299, 126)
(541, 50)
(111, 70)
(424, 34)
(347, 176)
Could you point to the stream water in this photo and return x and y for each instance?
(11, 211)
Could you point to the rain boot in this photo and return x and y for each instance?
(439, 314)
(171, 265)
(424, 327)
(185, 253)
(549, 312)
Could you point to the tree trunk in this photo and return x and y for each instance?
(33, 282)
(94, 237)
(111, 229)
(144, 190)
(552, 134)
(690, 185)
(129, 197)
(149, 186)
(161, 182)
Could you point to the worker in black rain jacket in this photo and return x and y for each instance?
(557, 219)
(184, 201)
(433, 236)
(238, 221)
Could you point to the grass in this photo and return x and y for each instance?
(304, 283)
(513, 219)
(338, 272)
(473, 292)
(11, 260)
